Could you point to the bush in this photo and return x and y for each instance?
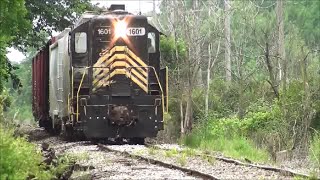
(228, 136)
(315, 149)
(19, 158)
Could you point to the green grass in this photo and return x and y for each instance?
(170, 153)
(314, 151)
(83, 156)
(152, 151)
(19, 158)
(210, 159)
(189, 152)
(236, 146)
(182, 159)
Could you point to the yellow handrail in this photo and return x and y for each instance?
(162, 97)
(158, 80)
(167, 88)
(72, 82)
(70, 96)
(83, 75)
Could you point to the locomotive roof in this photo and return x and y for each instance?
(95, 15)
(91, 14)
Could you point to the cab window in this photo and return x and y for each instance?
(151, 42)
(80, 42)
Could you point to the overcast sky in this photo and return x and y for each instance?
(133, 6)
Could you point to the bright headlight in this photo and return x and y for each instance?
(121, 29)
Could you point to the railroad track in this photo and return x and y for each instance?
(161, 163)
(239, 169)
(286, 172)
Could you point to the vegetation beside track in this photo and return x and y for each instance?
(267, 128)
(20, 159)
(268, 100)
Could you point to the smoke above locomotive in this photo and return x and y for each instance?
(102, 78)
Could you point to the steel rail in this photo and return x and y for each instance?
(286, 172)
(161, 163)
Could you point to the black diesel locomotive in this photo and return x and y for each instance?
(102, 78)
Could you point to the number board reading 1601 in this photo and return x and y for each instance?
(134, 31)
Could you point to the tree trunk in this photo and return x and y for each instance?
(282, 64)
(182, 131)
(227, 33)
(206, 104)
(188, 115)
(272, 77)
(208, 82)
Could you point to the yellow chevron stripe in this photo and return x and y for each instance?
(142, 86)
(120, 64)
(102, 83)
(119, 48)
(135, 57)
(141, 78)
(109, 53)
(116, 56)
(132, 63)
(103, 61)
(104, 73)
(98, 77)
(105, 81)
(122, 57)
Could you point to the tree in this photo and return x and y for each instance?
(281, 49)
(227, 42)
(48, 16)
(12, 22)
(213, 36)
(183, 23)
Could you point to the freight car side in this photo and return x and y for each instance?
(40, 88)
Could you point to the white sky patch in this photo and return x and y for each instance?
(14, 55)
(132, 6)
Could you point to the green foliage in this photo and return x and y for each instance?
(152, 150)
(244, 115)
(172, 52)
(20, 106)
(314, 151)
(84, 156)
(210, 159)
(182, 159)
(12, 15)
(170, 153)
(306, 16)
(19, 158)
(189, 152)
(231, 145)
(268, 125)
(63, 164)
(48, 16)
